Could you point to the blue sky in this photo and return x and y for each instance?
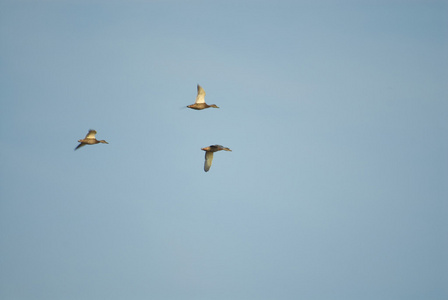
(336, 112)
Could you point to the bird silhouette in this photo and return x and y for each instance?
(90, 140)
(209, 154)
(200, 101)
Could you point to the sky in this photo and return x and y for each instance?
(336, 113)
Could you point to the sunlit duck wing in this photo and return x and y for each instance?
(200, 98)
(208, 160)
(91, 134)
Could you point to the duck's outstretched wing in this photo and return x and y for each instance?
(91, 134)
(200, 98)
(208, 160)
(79, 146)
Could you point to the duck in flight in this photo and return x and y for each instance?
(200, 101)
(90, 140)
(209, 154)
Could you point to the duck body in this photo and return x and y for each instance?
(209, 154)
(90, 140)
(200, 101)
(200, 106)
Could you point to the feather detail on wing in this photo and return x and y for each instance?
(200, 98)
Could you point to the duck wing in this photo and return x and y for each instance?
(91, 134)
(79, 146)
(200, 98)
(208, 160)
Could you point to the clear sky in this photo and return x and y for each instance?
(336, 112)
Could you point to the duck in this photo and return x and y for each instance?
(200, 101)
(209, 154)
(90, 140)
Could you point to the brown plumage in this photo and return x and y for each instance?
(209, 154)
(90, 140)
(200, 101)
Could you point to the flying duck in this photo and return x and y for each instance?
(90, 140)
(200, 101)
(209, 154)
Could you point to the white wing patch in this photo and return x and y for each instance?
(200, 98)
(208, 160)
(91, 134)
